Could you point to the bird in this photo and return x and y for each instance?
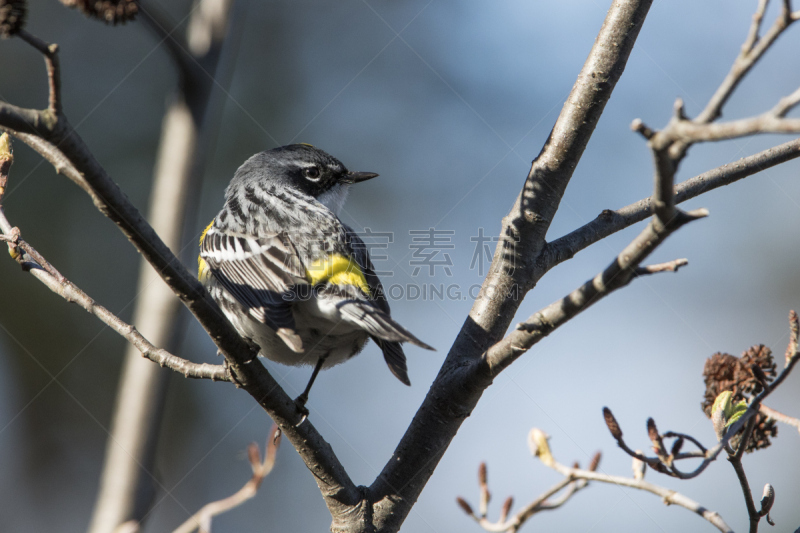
(289, 275)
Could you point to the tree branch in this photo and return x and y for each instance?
(618, 274)
(33, 262)
(50, 53)
(202, 519)
(668, 496)
(752, 512)
(752, 50)
(188, 130)
(464, 375)
(668, 467)
(780, 417)
(59, 143)
(609, 222)
(576, 479)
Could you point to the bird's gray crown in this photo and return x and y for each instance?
(298, 166)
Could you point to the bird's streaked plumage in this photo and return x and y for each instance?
(288, 274)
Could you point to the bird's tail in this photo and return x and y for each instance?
(378, 324)
(395, 359)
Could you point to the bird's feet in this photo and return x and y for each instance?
(300, 405)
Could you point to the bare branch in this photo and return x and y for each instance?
(755, 27)
(786, 104)
(752, 512)
(576, 479)
(794, 335)
(668, 496)
(780, 417)
(55, 281)
(618, 274)
(464, 375)
(261, 469)
(670, 266)
(50, 53)
(55, 139)
(610, 222)
(752, 50)
(686, 131)
(748, 418)
(540, 503)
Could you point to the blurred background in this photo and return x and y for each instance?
(449, 102)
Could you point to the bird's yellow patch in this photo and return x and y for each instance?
(202, 267)
(337, 269)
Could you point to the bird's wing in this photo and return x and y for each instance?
(361, 256)
(384, 331)
(261, 273)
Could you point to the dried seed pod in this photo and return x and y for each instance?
(12, 17)
(109, 11)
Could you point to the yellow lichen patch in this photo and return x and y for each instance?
(337, 269)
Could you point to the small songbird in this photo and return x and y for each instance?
(289, 275)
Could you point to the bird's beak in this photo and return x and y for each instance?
(358, 177)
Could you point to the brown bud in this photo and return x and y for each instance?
(652, 431)
(612, 424)
(12, 17)
(595, 461)
(482, 474)
(464, 506)
(506, 508)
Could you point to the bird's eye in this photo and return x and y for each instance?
(311, 173)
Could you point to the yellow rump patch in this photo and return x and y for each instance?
(202, 267)
(337, 269)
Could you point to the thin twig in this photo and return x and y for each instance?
(780, 417)
(752, 50)
(50, 53)
(202, 519)
(755, 26)
(668, 496)
(610, 222)
(670, 266)
(752, 512)
(540, 503)
(710, 455)
(688, 132)
(576, 479)
(40, 268)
